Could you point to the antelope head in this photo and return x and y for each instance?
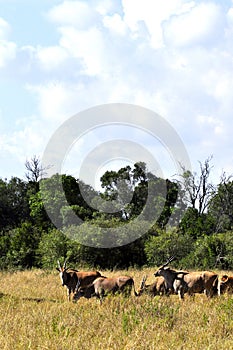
(161, 268)
(62, 271)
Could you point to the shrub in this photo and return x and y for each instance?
(159, 248)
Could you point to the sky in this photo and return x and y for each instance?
(60, 58)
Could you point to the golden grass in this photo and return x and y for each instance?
(35, 314)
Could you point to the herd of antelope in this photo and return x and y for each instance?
(167, 281)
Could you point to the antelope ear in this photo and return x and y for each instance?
(58, 269)
(224, 278)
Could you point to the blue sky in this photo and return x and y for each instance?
(58, 58)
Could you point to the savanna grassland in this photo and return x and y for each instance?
(35, 314)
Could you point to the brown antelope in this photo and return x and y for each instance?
(87, 292)
(199, 282)
(225, 285)
(71, 278)
(104, 285)
(158, 287)
(182, 282)
(171, 276)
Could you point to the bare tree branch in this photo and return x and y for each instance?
(197, 188)
(35, 171)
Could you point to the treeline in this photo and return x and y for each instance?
(40, 219)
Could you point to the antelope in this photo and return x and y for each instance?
(71, 278)
(199, 282)
(171, 276)
(225, 285)
(103, 285)
(182, 282)
(158, 287)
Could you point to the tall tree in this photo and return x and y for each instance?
(118, 187)
(14, 207)
(35, 171)
(141, 189)
(4, 205)
(221, 205)
(197, 188)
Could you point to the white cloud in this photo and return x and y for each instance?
(211, 123)
(88, 46)
(230, 16)
(166, 80)
(53, 101)
(169, 80)
(7, 52)
(4, 28)
(152, 14)
(21, 144)
(105, 7)
(82, 27)
(218, 82)
(7, 48)
(79, 14)
(33, 137)
(51, 57)
(115, 23)
(197, 26)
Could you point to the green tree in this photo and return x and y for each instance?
(23, 243)
(195, 224)
(129, 250)
(14, 208)
(5, 210)
(140, 192)
(206, 252)
(211, 252)
(221, 205)
(61, 192)
(167, 243)
(53, 246)
(4, 248)
(38, 213)
(225, 254)
(118, 188)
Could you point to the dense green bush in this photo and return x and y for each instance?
(168, 243)
(53, 246)
(22, 245)
(211, 252)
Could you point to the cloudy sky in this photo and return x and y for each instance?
(58, 58)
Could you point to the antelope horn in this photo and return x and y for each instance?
(169, 260)
(143, 282)
(64, 265)
(58, 264)
(77, 285)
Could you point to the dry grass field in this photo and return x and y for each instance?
(36, 315)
